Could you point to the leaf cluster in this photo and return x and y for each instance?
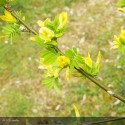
(11, 31)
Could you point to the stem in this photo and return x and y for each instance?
(79, 70)
(110, 92)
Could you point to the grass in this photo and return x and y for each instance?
(14, 104)
(20, 77)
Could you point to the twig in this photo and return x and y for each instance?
(110, 92)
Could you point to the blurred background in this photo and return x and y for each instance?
(91, 27)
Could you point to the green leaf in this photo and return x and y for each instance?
(121, 49)
(92, 71)
(11, 31)
(72, 66)
(57, 85)
(76, 59)
(39, 40)
(58, 34)
(49, 55)
(51, 82)
(69, 54)
(121, 3)
(75, 50)
(53, 42)
(51, 26)
(56, 21)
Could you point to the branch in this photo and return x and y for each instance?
(110, 92)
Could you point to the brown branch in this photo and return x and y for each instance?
(110, 92)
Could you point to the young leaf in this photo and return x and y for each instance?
(56, 21)
(49, 56)
(11, 31)
(76, 59)
(51, 82)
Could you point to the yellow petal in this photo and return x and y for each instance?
(88, 61)
(76, 111)
(62, 19)
(122, 33)
(3, 18)
(46, 34)
(8, 17)
(121, 9)
(62, 61)
(42, 24)
(98, 58)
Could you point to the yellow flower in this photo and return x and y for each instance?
(88, 61)
(62, 19)
(117, 42)
(46, 34)
(8, 17)
(42, 24)
(63, 61)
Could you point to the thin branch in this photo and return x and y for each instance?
(110, 92)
